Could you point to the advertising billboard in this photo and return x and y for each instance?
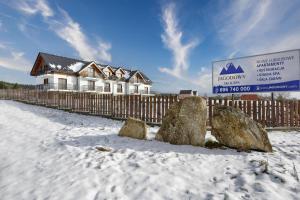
(261, 73)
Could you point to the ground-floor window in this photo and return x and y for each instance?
(107, 87)
(120, 88)
(146, 90)
(62, 83)
(46, 81)
(91, 85)
(136, 89)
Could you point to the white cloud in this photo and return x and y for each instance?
(65, 28)
(253, 27)
(32, 7)
(13, 59)
(172, 39)
(70, 31)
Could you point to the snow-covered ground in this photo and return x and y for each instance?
(50, 154)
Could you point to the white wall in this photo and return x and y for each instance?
(83, 83)
(141, 87)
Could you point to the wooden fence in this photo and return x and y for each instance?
(152, 108)
(147, 108)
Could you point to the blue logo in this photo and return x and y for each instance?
(231, 69)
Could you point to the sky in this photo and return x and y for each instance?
(173, 42)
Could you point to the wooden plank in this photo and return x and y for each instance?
(150, 111)
(277, 115)
(154, 109)
(159, 109)
(162, 106)
(254, 110)
(273, 120)
(249, 108)
(147, 109)
(131, 105)
(298, 111)
(268, 114)
(292, 111)
(286, 113)
(264, 112)
(259, 118)
(281, 105)
(210, 111)
(136, 106)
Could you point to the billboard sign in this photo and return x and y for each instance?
(262, 73)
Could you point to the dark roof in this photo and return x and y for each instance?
(132, 73)
(65, 62)
(60, 60)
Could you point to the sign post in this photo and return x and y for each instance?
(261, 73)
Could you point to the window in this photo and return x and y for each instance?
(107, 87)
(136, 89)
(91, 72)
(46, 81)
(120, 88)
(146, 90)
(91, 85)
(62, 84)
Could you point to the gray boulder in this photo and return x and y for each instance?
(185, 123)
(134, 128)
(235, 129)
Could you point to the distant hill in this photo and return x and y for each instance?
(7, 85)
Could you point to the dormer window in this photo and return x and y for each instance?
(91, 72)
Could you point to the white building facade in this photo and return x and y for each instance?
(60, 73)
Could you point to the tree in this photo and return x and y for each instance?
(16, 86)
(282, 95)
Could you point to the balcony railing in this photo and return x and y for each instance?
(138, 92)
(69, 87)
(51, 86)
(91, 88)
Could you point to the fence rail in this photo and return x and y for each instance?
(153, 108)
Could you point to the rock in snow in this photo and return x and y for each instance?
(235, 129)
(134, 128)
(185, 122)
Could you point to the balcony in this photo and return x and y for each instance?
(69, 87)
(91, 88)
(55, 86)
(142, 92)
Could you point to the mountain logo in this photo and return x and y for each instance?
(231, 69)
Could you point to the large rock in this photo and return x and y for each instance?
(134, 128)
(235, 129)
(185, 122)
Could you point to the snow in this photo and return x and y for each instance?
(127, 74)
(51, 154)
(55, 66)
(76, 66)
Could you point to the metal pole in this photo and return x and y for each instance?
(272, 97)
(232, 100)
(272, 109)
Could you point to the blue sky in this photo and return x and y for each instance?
(173, 42)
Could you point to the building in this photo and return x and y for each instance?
(252, 97)
(54, 72)
(187, 93)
